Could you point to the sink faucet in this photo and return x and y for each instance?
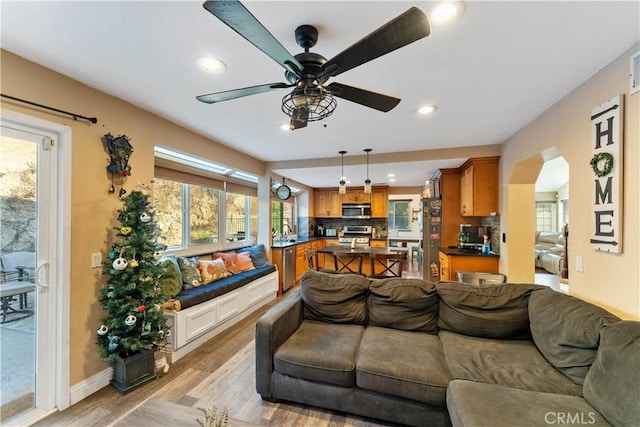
(285, 232)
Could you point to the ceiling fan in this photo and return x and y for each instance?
(307, 72)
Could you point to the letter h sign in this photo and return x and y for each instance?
(606, 166)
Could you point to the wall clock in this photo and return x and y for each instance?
(283, 192)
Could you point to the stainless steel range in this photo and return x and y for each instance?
(361, 234)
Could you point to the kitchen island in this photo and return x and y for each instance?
(453, 260)
(325, 255)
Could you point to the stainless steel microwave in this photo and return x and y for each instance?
(356, 210)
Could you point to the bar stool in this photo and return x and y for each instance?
(313, 263)
(348, 262)
(392, 264)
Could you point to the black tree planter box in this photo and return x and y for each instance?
(133, 371)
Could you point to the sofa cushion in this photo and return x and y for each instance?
(566, 331)
(230, 260)
(244, 262)
(212, 270)
(406, 304)
(511, 363)
(490, 311)
(334, 298)
(404, 364)
(321, 352)
(473, 404)
(612, 385)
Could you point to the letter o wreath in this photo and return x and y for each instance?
(608, 164)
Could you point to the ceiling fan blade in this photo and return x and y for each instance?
(364, 97)
(238, 18)
(406, 28)
(300, 118)
(239, 93)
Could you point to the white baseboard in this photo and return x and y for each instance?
(89, 386)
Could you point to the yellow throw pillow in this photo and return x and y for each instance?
(212, 270)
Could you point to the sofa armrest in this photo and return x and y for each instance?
(273, 329)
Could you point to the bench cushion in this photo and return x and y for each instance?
(511, 363)
(195, 296)
(404, 364)
(566, 330)
(473, 404)
(490, 311)
(321, 352)
(405, 304)
(612, 385)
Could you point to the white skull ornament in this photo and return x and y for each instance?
(120, 263)
(102, 330)
(145, 217)
(130, 320)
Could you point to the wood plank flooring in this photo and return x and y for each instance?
(221, 373)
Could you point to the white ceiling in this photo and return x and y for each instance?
(492, 71)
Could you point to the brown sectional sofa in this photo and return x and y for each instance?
(415, 353)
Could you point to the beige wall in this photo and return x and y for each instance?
(93, 210)
(608, 280)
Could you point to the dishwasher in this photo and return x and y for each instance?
(288, 267)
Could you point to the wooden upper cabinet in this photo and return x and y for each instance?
(379, 202)
(479, 186)
(328, 204)
(356, 196)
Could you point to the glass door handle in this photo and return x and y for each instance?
(42, 276)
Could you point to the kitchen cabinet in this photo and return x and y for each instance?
(450, 264)
(378, 243)
(328, 204)
(479, 186)
(379, 202)
(301, 259)
(450, 207)
(356, 196)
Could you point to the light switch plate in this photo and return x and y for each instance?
(579, 266)
(96, 260)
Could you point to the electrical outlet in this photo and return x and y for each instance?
(579, 266)
(96, 260)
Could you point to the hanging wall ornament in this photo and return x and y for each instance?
(119, 149)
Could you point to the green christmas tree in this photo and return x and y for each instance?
(132, 295)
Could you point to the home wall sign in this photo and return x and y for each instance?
(606, 166)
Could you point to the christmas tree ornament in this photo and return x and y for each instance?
(130, 320)
(122, 192)
(120, 263)
(126, 230)
(113, 254)
(142, 308)
(157, 255)
(110, 292)
(145, 217)
(155, 308)
(102, 330)
(113, 343)
(133, 263)
(146, 329)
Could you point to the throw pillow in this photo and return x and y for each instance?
(230, 261)
(612, 385)
(258, 255)
(212, 270)
(489, 311)
(244, 262)
(171, 279)
(405, 304)
(566, 330)
(334, 298)
(190, 274)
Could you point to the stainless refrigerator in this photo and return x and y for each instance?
(431, 238)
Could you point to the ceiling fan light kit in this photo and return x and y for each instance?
(307, 72)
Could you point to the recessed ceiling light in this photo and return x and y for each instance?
(392, 179)
(391, 175)
(445, 11)
(211, 65)
(427, 109)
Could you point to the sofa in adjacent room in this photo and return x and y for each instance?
(416, 353)
(549, 251)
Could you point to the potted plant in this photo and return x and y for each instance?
(135, 323)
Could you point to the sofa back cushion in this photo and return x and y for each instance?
(488, 311)
(612, 385)
(405, 304)
(566, 331)
(334, 298)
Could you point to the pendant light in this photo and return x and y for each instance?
(343, 183)
(367, 182)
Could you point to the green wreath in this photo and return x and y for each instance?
(608, 164)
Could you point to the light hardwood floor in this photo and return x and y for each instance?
(221, 373)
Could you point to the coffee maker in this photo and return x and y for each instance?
(318, 230)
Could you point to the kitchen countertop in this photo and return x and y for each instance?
(457, 252)
(367, 250)
(298, 241)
